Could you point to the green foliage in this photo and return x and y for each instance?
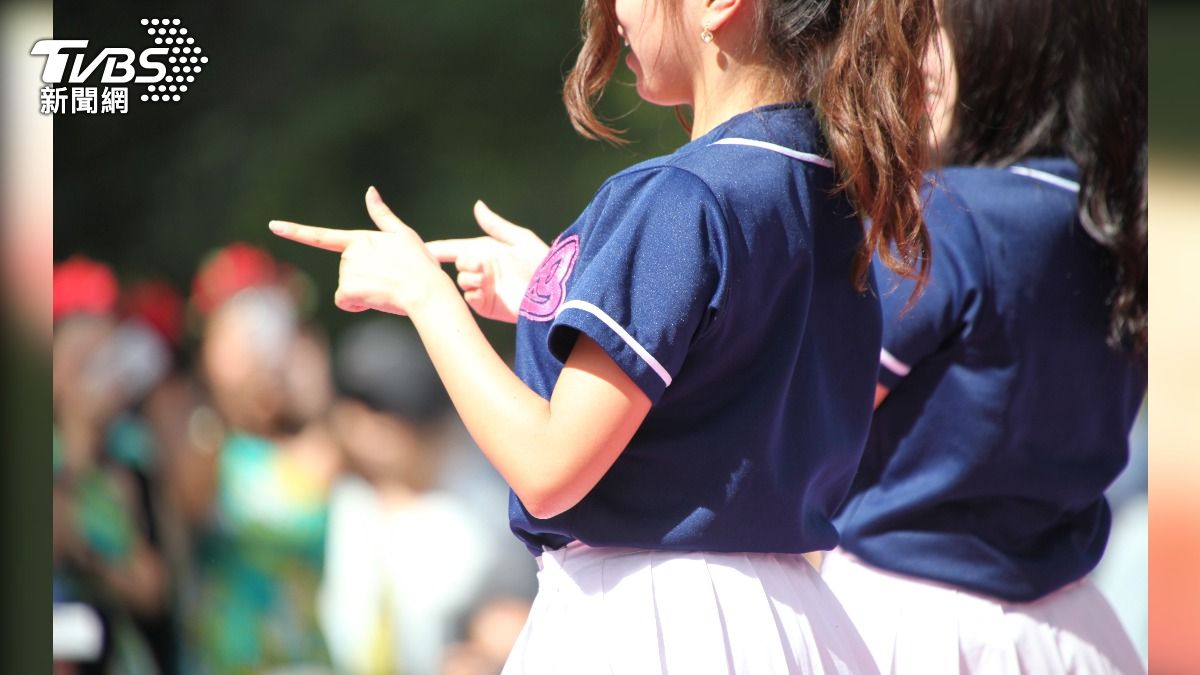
(304, 105)
(1175, 96)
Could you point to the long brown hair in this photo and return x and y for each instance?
(1074, 85)
(859, 62)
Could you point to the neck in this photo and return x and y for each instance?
(730, 83)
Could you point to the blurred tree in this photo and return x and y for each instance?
(303, 105)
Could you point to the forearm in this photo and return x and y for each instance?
(550, 452)
(511, 423)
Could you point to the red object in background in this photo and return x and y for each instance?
(83, 285)
(231, 269)
(158, 304)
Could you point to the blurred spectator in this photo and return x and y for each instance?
(111, 581)
(258, 500)
(83, 286)
(157, 304)
(468, 475)
(404, 559)
(198, 505)
(491, 632)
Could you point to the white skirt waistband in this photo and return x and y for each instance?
(637, 611)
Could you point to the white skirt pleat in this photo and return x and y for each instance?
(914, 626)
(636, 611)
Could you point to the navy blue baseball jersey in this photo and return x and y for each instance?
(719, 279)
(1008, 414)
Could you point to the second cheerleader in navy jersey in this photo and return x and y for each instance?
(1007, 391)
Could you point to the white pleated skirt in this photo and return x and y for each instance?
(643, 612)
(915, 626)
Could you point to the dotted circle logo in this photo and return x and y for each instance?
(185, 60)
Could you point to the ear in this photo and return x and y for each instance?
(719, 12)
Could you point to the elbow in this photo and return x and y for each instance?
(544, 507)
(547, 501)
(564, 472)
(542, 512)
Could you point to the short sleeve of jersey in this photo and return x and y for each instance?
(650, 265)
(951, 299)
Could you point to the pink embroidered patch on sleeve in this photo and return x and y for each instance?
(548, 287)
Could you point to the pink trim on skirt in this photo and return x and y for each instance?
(644, 612)
(915, 626)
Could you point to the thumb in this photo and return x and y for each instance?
(497, 227)
(384, 219)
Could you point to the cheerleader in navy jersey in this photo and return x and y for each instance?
(1007, 391)
(696, 354)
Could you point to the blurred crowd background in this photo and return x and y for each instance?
(254, 498)
(246, 479)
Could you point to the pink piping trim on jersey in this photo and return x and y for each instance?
(1045, 177)
(898, 367)
(621, 332)
(788, 152)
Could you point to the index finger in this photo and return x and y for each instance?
(449, 250)
(320, 237)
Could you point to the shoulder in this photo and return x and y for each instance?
(958, 255)
(657, 178)
(947, 199)
(756, 156)
(657, 199)
(1026, 193)
(950, 207)
(966, 206)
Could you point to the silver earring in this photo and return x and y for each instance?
(706, 34)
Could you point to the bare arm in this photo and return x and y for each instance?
(551, 452)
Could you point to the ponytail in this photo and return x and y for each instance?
(871, 98)
(860, 63)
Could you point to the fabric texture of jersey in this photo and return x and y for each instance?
(1008, 414)
(718, 278)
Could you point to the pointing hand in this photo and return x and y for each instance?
(493, 270)
(388, 269)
